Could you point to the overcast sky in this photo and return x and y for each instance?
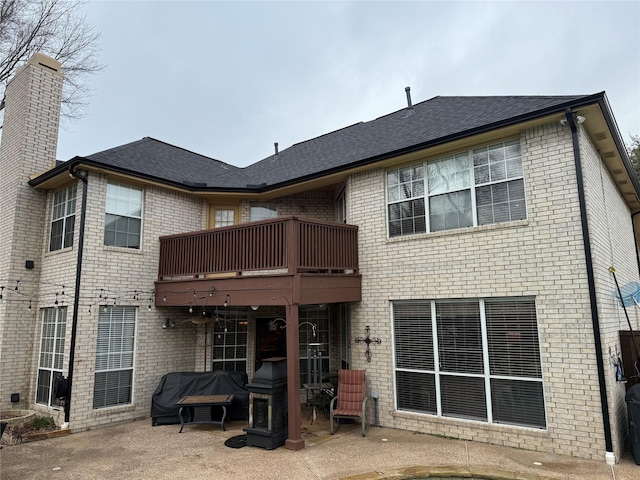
(228, 79)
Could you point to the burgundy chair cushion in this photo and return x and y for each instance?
(350, 393)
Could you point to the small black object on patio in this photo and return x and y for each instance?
(238, 441)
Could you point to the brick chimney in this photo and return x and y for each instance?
(29, 144)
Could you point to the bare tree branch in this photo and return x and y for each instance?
(57, 28)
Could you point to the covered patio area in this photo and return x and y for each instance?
(286, 263)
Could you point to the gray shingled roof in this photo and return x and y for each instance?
(166, 162)
(433, 121)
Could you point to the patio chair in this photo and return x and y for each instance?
(351, 400)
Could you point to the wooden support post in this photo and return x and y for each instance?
(294, 440)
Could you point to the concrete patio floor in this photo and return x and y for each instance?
(137, 450)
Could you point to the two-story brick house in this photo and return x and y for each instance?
(472, 235)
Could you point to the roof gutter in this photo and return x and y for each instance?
(609, 455)
(588, 100)
(76, 297)
(80, 161)
(262, 188)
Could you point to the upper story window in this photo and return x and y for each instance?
(475, 187)
(63, 218)
(263, 211)
(123, 219)
(224, 217)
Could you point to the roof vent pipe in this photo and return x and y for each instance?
(277, 154)
(410, 110)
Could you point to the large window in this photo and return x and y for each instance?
(50, 362)
(475, 187)
(230, 342)
(123, 219)
(473, 359)
(114, 356)
(63, 218)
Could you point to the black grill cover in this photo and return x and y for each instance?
(633, 412)
(176, 385)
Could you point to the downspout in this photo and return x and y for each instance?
(76, 298)
(609, 455)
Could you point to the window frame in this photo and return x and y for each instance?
(257, 211)
(128, 217)
(426, 382)
(53, 356)
(225, 341)
(321, 318)
(107, 317)
(412, 200)
(341, 207)
(67, 219)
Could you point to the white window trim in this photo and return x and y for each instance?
(426, 196)
(217, 330)
(487, 376)
(132, 368)
(141, 218)
(63, 218)
(56, 341)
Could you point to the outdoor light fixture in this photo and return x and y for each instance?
(169, 324)
(190, 309)
(226, 302)
(255, 307)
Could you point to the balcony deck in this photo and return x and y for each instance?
(281, 261)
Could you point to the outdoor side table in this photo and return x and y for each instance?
(321, 395)
(202, 409)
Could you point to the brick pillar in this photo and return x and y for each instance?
(29, 143)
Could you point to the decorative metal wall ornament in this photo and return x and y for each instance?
(368, 340)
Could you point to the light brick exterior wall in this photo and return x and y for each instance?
(119, 272)
(541, 256)
(29, 140)
(612, 244)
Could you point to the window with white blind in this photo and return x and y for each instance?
(114, 356)
(63, 218)
(50, 361)
(475, 187)
(473, 359)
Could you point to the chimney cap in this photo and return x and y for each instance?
(45, 61)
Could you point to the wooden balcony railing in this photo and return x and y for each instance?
(280, 245)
